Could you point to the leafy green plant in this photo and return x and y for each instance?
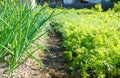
(117, 7)
(92, 41)
(98, 7)
(19, 28)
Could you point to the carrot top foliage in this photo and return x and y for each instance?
(92, 41)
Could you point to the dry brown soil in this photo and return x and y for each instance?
(52, 58)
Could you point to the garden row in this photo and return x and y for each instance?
(92, 41)
(20, 27)
(91, 37)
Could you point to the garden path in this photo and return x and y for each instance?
(52, 59)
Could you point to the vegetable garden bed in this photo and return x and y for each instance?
(90, 37)
(92, 41)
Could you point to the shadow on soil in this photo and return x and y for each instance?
(54, 60)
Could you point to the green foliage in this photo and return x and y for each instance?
(68, 55)
(19, 28)
(92, 41)
(117, 7)
(98, 7)
(115, 1)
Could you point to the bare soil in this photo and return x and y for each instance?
(52, 58)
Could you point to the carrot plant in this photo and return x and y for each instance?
(92, 42)
(19, 24)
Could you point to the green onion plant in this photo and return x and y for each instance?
(19, 28)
